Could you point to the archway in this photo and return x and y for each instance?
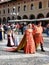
(47, 14)
(31, 16)
(40, 15)
(25, 17)
(18, 17)
(8, 18)
(4, 20)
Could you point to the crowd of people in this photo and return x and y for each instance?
(32, 36)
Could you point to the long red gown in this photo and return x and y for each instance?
(30, 45)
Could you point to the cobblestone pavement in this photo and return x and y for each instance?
(19, 58)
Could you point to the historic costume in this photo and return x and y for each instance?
(38, 35)
(10, 38)
(17, 41)
(27, 43)
(30, 45)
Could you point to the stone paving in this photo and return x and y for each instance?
(19, 58)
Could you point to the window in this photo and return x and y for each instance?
(13, 17)
(8, 10)
(18, 3)
(13, 9)
(3, 11)
(32, 0)
(48, 3)
(24, 7)
(0, 12)
(8, 5)
(40, 5)
(18, 8)
(24, 1)
(31, 6)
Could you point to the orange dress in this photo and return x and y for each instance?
(30, 45)
(38, 35)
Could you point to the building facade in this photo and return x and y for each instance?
(23, 9)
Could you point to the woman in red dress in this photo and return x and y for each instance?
(30, 45)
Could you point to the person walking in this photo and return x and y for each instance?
(38, 36)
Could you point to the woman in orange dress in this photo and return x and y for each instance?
(30, 45)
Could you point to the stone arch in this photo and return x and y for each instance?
(47, 14)
(32, 16)
(40, 5)
(4, 20)
(18, 17)
(8, 18)
(25, 17)
(40, 15)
